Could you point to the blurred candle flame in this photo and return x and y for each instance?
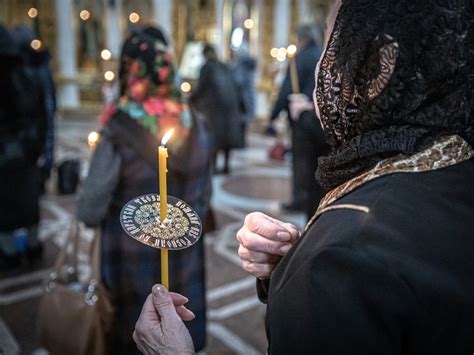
(33, 12)
(291, 50)
(92, 139)
(167, 136)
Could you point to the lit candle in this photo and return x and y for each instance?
(92, 140)
(162, 170)
(295, 86)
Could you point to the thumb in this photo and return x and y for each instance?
(163, 303)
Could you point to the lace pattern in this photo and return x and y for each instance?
(396, 75)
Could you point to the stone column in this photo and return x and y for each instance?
(304, 13)
(113, 35)
(162, 11)
(281, 24)
(220, 31)
(68, 91)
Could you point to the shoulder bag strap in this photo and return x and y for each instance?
(72, 240)
(95, 255)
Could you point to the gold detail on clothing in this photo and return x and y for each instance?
(345, 206)
(444, 152)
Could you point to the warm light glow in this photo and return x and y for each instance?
(84, 15)
(92, 138)
(134, 17)
(106, 54)
(167, 136)
(281, 54)
(237, 38)
(36, 44)
(185, 87)
(274, 52)
(33, 12)
(291, 50)
(109, 75)
(248, 23)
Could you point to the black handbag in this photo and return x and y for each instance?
(68, 176)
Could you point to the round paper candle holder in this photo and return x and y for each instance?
(140, 219)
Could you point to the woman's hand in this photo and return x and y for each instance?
(299, 103)
(160, 328)
(263, 242)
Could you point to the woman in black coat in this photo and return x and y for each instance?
(216, 98)
(386, 264)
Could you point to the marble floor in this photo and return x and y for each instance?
(235, 316)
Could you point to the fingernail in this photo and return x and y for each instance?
(293, 226)
(159, 290)
(283, 235)
(284, 249)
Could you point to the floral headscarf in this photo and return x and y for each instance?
(148, 93)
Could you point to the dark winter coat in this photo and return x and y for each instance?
(124, 166)
(216, 97)
(395, 280)
(22, 137)
(38, 63)
(243, 70)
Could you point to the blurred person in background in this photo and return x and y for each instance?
(124, 166)
(309, 50)
(37, 61)
(243, 69)
(216, 97)
(312, 145)
(23, 124)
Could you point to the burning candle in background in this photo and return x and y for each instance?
(162, 170)
(291, 52)
(92, 139)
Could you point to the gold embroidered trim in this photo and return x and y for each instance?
(348, 206)
(444, 152)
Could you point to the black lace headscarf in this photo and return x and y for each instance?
(396, 75)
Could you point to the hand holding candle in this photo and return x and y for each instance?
(162, 156)
(174, 225)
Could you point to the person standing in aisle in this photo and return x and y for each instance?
(22, 138)
(216, 98)
(37, 61)
(309, 50)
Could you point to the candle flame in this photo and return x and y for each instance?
(291, 50)
(167, 136)
(93, 137)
